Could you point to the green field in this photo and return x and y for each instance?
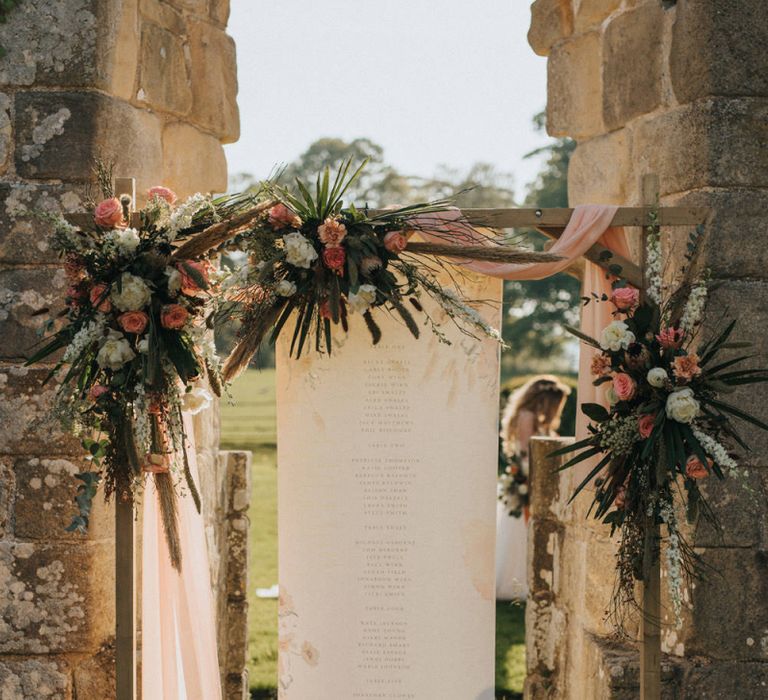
(249, 424)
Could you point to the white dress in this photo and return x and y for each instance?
(511, 556)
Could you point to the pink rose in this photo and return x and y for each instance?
(624, 386)
(334, 259)
(97, 292)
(173, 316)
(162, 193)
(109, 213)
(620, 500)
(281, 216)
(395, 242)
(96, 391)
(189, 285)
(670, 338)
(601, 365)
(645, 425)
(625, 298)
(133, 321)
(695, 469)
(686, 367)
(332, 232)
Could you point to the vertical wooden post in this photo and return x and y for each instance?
(125, 554)
(650, 624)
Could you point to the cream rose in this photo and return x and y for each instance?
(115, 352)
(657, 377)
(285, 288)
(363, 299)
(682, 406)
(299, 252)
(616, 336)
(133, 294)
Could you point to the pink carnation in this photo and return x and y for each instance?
(686, 367)
(625, 298)
(109, 213)
(332, 232)
(670, 338)
(395, 242)
(695, 469)
(97, 292)
(624, 386)
(281, 216)
(645, 425)
(601, 365)
(162, 193)
(334, 259)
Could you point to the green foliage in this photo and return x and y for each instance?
(87, 491)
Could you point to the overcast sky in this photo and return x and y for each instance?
(433, 81)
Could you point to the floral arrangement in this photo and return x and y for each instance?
(318, 262)
(667, 427)
(137, 347)
(512, 487)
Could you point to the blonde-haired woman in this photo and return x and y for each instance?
(533, 409)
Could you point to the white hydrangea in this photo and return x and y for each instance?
(114, 352)
(285, 288)
(131, 294)
(174, 280)
(682, 406)
(123, 240)
(363, 299)
(657, 377)
(694, 307)
(616, 336)
(299, 252)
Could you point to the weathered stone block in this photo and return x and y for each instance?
(164, 80)
(719, 49)
(715, 142)
(551, 21)
(632, 59)
(24, 293)
(574, 87)
(24, 238)
(184, 148)
(589, 13)
(26, 414)
(214, 81)
(59, 598)
(714, 681)
(219, 10)
(95, 677)
(23, 679)
(736, 243)
(58, 136)
(163, 14)
(73, 43)
(730, 615)
(599, 170)
(7, 491)
(198, 6)
(44, 503)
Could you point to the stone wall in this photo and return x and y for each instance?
(150, 84)
(679, 89)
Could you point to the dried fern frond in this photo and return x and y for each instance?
(497, 254)
(248, 345)
(170, 516)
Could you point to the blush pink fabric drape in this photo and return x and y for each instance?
(179, 657)
(589, 224)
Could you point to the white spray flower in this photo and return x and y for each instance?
(299, 252)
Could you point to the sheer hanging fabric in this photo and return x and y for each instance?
(179, 656)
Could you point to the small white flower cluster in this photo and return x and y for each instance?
(653, 267)
(173, 221)
(141, 427)
(69, 234)
(203, 340)
(674, 559)
(122, 241)
(714, 449)
(89, 333)
(362, 300)
(619, 435)
(694, 307)
(456, 308)
(299, 252)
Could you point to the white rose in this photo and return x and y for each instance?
(174, 280)
(196, 400)
(285, 288)
(115, 352)
(143, 346)
(133, 295)
(125, 240)
(657, 377)
(299, 252)
(362, 300)
(682, 406)
(616, 336)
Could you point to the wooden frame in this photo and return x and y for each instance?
(551, 222)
